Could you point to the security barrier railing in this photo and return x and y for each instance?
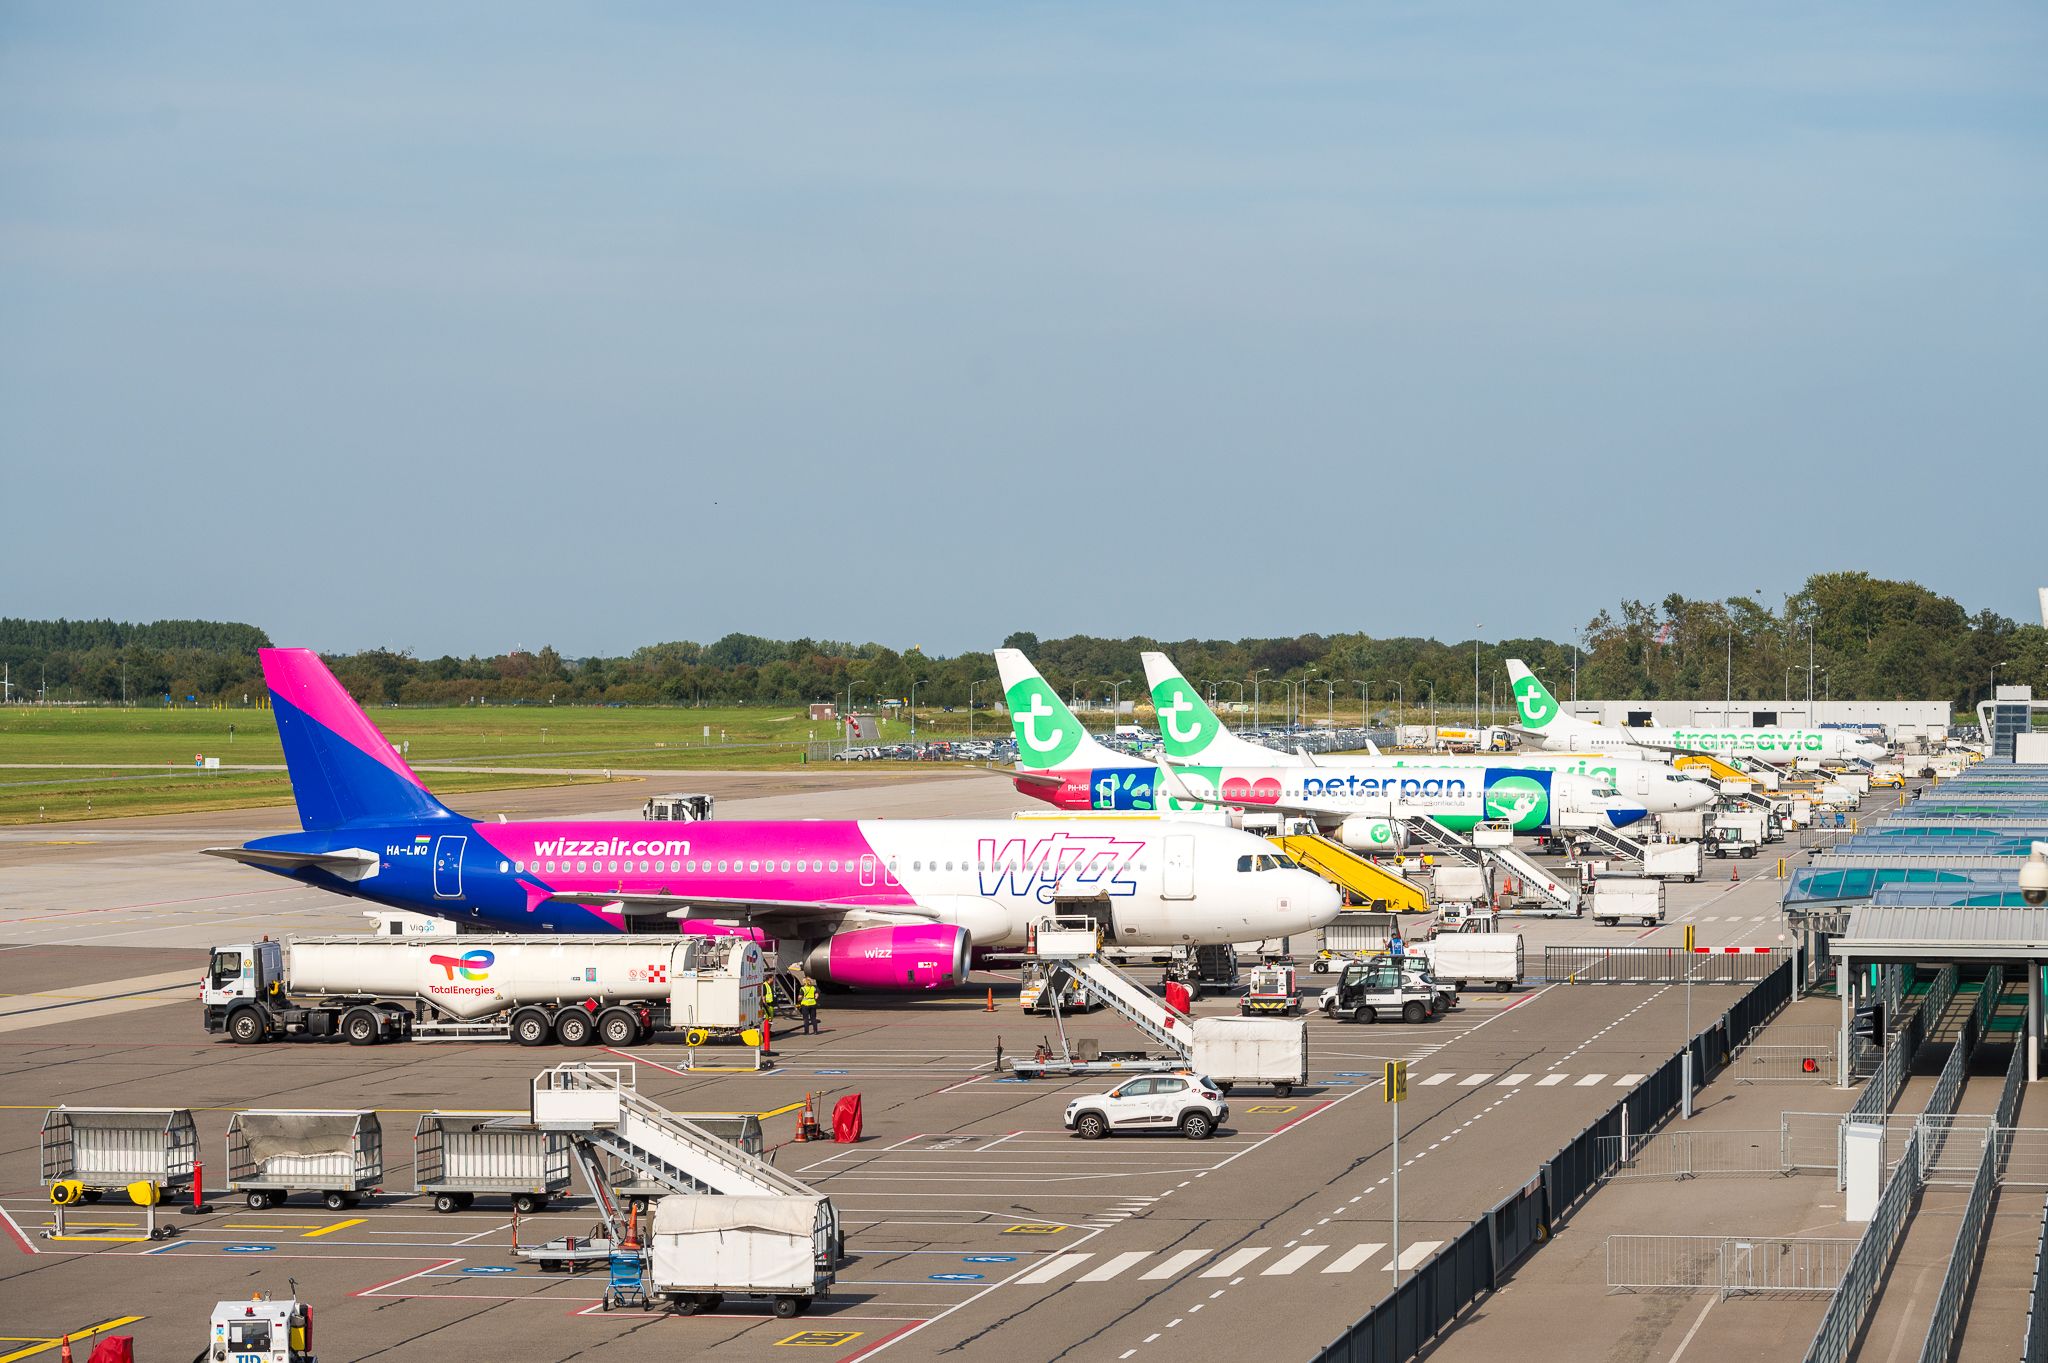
(1727, 1265)
(1787, 1064)
(1693, 1154)
(1843, 1319)
(1661, 965)
(1949, 1086)
(1402, 1323)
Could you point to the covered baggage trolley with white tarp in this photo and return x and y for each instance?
(106, 1149)
(274, 1152)
(705, 1249)
(457, 1155)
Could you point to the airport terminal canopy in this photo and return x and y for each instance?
(1946, 933)
(1817, 887)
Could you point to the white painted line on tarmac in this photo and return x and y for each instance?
(1233, 1264)
(1054, 1267)
(1174, 1265)
(1353, 1257)
(1282, 1267)
(1103, 1272)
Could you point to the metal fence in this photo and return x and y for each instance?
(1781, 1063)
(1962, 1261)
(1843, 1320)
(1660, 965)
(2035, 1349)
(1727, 1265)
(1399, 1325)
(1694, 1154)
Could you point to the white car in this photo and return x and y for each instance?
(1188, 1103)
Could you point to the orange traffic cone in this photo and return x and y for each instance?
(1735, 871)
(64, 1357)
(991, 1002)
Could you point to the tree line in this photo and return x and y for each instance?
(1870, 639)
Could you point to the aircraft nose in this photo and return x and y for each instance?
(1312, 901)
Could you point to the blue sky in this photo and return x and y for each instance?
(460, 326)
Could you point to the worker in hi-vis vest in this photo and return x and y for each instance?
(807, 1003)
(768, 997)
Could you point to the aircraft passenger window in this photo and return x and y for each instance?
(753, 867)
(551, 868)
(582, 866)
(785, 867)
(818, 866)
(949, 865)
(917, 866)
(614, 866)
(517, 866)
(721, 867)
(835, 863)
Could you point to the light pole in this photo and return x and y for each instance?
(1575, 672)
(1728, 696)
(1330, 701)
(1116, 704)
(1476, 627)
(1364, 702)
(1401, 713)
(914, 684)
(1788, 686)
(970, 703)
(1240, 702)
(1255, 693)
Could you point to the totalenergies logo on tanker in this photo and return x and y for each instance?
(471, 965)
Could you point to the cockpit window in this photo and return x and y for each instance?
(1605, 792)
(1268, 862)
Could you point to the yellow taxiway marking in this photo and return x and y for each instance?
(328, 1230)
(43, 1346)
(813, 1339)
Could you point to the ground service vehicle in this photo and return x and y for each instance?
(1466, 960)
(1640, 898)
(1368, 991)
(1272, 990)
(575, 990)
(1737, 833)
(1187, 1103)
(1456, 884)
(261, 1330)
(1036, 996)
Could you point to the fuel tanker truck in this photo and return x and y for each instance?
(533, 990)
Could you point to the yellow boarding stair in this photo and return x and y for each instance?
(1721, 770)
(1369, 884)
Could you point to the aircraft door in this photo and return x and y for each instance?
(1179, 867)
(448, 865)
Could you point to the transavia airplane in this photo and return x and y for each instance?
(1362, 802)
(882, 905)
(1189, 731)
(1542, 716)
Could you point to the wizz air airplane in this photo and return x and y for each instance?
(1189, 731)
(895, 904)
(1542, 716)
(1362, 803)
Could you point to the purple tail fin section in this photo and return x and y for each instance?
(342, 769)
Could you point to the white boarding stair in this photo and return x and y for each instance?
(1441, 839)
(602, 1104)
(1539, 881)
(1103, 982)
(1613, 841)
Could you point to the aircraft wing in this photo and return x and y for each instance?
(350, 863)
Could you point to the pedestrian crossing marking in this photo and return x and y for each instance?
(1176, 1264)
(1472, 1080)
(1628, 1079)
(1512, 1079)
(1233, 1264)
(1443, 1078)
(1589, 1080)
(1352, 1258)
(1416, 1253)
(1550, 1079)
(1282, 1267)
(1102, 1273)
(1054, 1267)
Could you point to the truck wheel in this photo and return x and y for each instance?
(618, 1027)
(1090, 1126)
(574, 1028)
(788, 1306)
(447, 1202)
(360, 1027)
(1280, 1090)
(334, 1201)
(1503, 986)
(526, 1204)
(1364, 1014)
(532, 1028)
(247, 1027)
(257, 1200)
(1196, 1126)
(1414, 1012)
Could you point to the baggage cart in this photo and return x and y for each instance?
(705, 1249)
(105, 1149)
(458, 1155)
(275, 1152)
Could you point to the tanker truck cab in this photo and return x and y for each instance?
(246, 979)
(261, 1330)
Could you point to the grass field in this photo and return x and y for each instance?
(92, 744)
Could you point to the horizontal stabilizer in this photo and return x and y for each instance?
(350, 863)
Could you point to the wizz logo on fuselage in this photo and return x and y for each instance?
(1044, 867)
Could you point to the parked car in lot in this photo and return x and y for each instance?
(1188, 1103)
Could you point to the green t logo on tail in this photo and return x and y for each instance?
(1519, 800)
(1047, 733)
(1186, 725)
(1535, 703)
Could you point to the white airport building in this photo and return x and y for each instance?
(1903, 720)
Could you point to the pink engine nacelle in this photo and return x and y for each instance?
(913, 956)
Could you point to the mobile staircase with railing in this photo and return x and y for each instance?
(1489, 846)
